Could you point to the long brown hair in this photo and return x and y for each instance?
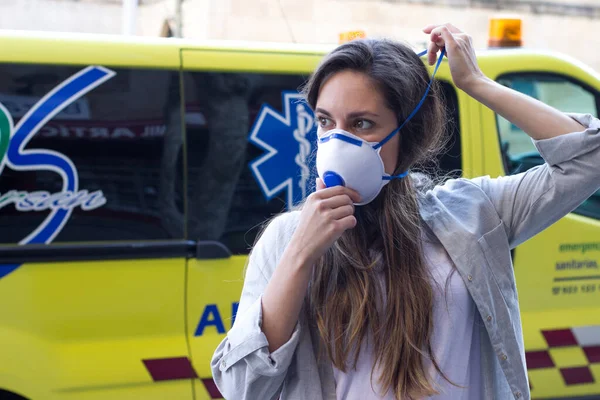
(345, 292)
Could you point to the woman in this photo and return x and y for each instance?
(410, 295)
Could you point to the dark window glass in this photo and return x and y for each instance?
(518, 152)
(115, 136)
(225, 200)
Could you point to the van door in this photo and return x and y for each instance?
(557, 272)
(234, 187)
(92, 265)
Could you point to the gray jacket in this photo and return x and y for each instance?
(478, 221)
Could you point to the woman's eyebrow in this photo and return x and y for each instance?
(356, 114)
(322, 111)
(352, 115)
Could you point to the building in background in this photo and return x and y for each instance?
(567, 26)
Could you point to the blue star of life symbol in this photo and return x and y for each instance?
(289, 141)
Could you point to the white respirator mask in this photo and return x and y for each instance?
(344, 159)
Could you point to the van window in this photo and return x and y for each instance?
(114, 136)
(225, 200)
(519, 153)
(226, 197)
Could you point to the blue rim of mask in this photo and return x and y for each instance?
(342, 137)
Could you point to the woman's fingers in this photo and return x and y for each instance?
(348, 222)
(439, 35)
(337, 201)
(326, 193)
(432, 53)
(442, 36)
(342, 212)
(429, 28)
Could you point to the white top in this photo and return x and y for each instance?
(455, 341)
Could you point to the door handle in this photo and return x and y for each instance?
(211, 250)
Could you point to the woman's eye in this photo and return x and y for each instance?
(363, 124)
(323, 122)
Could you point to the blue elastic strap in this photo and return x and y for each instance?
(412, 114)
(390, 177)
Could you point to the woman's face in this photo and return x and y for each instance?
(350, 100)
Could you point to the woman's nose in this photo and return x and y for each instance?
(343, 126)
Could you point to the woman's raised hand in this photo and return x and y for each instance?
(460, 52)
(326, 214)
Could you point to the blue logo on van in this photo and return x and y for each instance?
(13, 153)
(289, 141)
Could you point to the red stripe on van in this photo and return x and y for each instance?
(577, 375)
(167, 369)
(560, 338)
(592, 353)
(539, 359)
(212, 389)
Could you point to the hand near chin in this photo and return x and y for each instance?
(325, 216)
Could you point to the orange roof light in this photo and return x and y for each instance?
(351, 35)
(505, 32)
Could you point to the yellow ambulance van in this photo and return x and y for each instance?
(135, 174)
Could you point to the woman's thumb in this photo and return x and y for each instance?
(320, 184)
